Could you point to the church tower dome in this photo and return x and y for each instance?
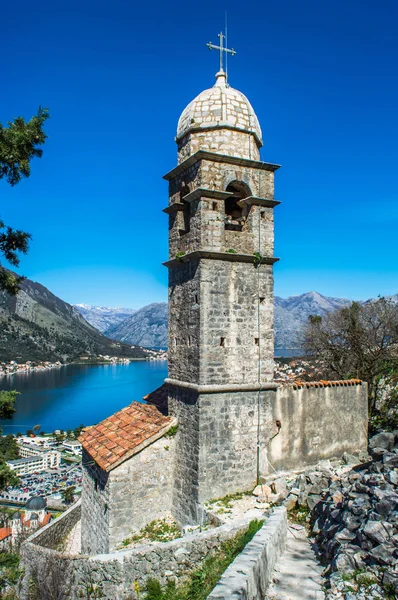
(222, 120)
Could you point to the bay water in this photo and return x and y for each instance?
(68, 396)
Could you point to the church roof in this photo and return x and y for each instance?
(159, 398)
(36, 503)
(218, 107)
(124, 434)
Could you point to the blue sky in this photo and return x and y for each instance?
(116, 75)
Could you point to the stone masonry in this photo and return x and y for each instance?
(221, 201)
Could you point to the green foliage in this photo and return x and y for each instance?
(356, 342)
(7, 402)
(232, 251)
(9, 572)
(9, 449)
(258, 257)
(7, 476)
(226, 501)
(179, 255)
(77, 431)
(68, 494)
(19, 144)
(200, 583)
(299, 515)
(172, 431)
(161, 530)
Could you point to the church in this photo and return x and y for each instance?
(219, 424)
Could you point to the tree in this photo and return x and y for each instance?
(7, 476)
(68, 494)
(360, 341)
(9, 449)
(77, 431)
(19, 143)
(7, 403)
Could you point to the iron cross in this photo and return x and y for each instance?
(221, 49)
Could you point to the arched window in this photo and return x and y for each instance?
(234, 214)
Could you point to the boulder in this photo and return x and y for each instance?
(350, 459)
(345, 535)
(392, 477)
(279, 486)
(383, 554)
(291, 502)
(382, 440)
(378, 531)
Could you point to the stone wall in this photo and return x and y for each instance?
(248, 577)
(95, 513)
(141, 490)
(229, 429)
(226, 141)
(184, 405)
(233, 296)
(318, 421)
(116, 573)
(217, 451)
(121, 502)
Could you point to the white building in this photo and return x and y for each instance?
(73, 446)
(36, 461)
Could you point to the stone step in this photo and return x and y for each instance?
(297, 575)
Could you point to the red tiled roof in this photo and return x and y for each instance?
(125, 433)
(298, 384)
(46, 519)
(159, 398)
(5, 532)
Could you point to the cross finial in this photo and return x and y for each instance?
(222, 49)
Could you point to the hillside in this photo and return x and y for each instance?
(147, 326)
(36, 325)
(103, 317)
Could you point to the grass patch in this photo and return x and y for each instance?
(227, 501)
(171, 432)
(201, 582)
(162, 530)
(299, 515)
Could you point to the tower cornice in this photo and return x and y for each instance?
(224, 256)
(223, 158)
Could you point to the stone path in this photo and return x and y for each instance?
(297, 574)
(73, 541)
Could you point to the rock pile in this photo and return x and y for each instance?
(354, 516)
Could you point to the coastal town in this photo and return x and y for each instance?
(46, 465)
(14, 367)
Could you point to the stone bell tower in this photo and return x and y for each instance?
(221, 256)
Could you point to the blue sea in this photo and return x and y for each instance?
(66, 397)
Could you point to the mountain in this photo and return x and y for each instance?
(146, 327)
(103, 317)
(291, 315)
(36, 325)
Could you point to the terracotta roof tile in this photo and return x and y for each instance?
(123, 434)
(159, 398)
(5, 532)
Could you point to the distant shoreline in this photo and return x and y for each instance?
(23, 370)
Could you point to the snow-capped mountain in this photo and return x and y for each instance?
(103, 317)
